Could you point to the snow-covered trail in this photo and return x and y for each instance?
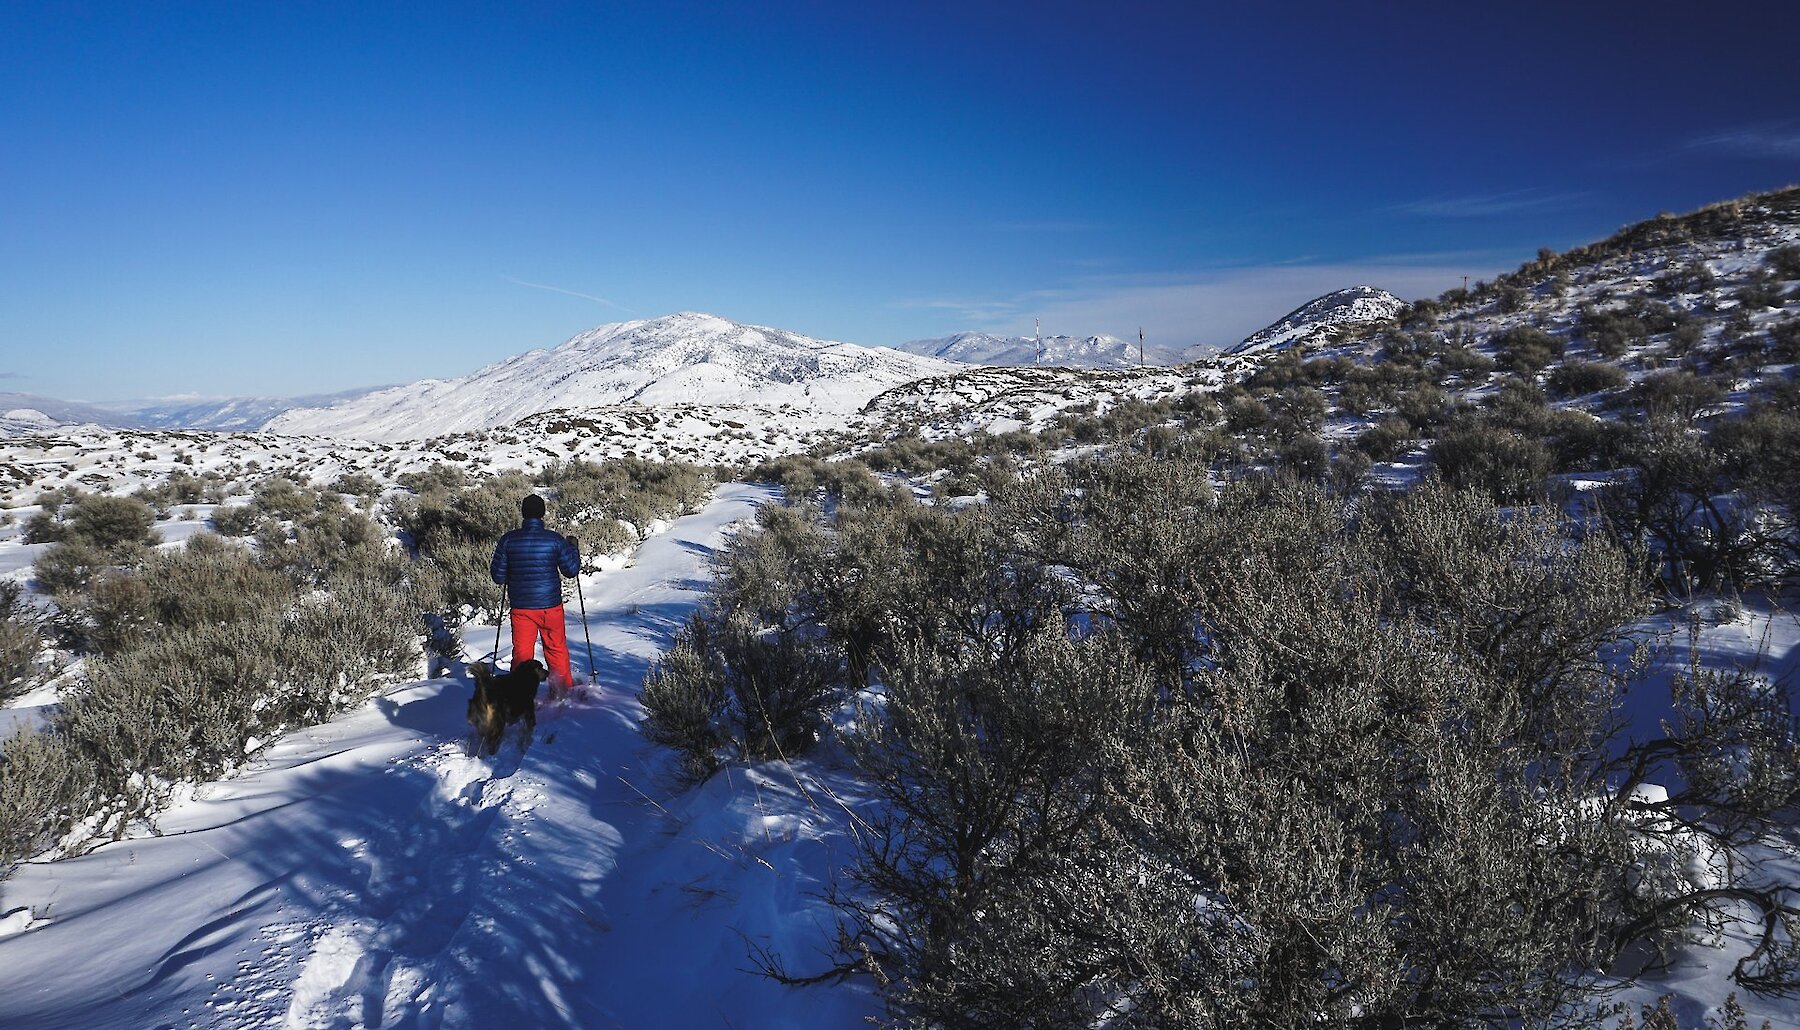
(367, 872)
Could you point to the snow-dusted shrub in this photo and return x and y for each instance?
(1577, 378)
(183, 703)
(1784, 339)
(21, 643)
(851, 482)
(1687, 277)
(1759, 293)
(1683, 340)
(1510, 298)
(981, 890)
(463, 569)
(1244, 413)
(456, 530)
(684, 699)
(118, 611)
(361, 631)
(1305, 457)
(44, 528)
(110, 523)
(1612, 331)
(196, 651)
(1675, 393)
(796, 474)
(1761, 451)
(332, 539)
(1465, 362)
(1384, 440)
(844, 482)
(1347, 762)
(178, 706)
(436, 477)
(207, 582)
(1672, 510)
(184, 487)
(1526, 349)
(239, 520)
(1475, 453)
(41, 781)
(632, 489)
(283, 498)
(1784, 262)
(358, 484)
(1297, 411)
(732, 690)
(68, 567)
(1425, 406)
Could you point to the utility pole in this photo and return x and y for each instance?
(1140, 346)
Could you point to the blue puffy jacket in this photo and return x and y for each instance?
(528, 559)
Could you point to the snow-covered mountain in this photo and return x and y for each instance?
(27, 413)
(21, 421)
(1323, 315)
(1059, 351)
(49, 411)
(225, 414)
(686, 358)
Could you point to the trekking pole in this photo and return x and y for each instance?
(497, 623)
(584, 628)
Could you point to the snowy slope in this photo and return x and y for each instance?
(20, 421)
(1321, 316)
(228, 414)
(1059, 351)
(686, 358)
(367, 872)
(60, 411)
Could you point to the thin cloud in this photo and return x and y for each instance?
(572, 293)
(967, 310)
(1487, 205)
(1779, 141)
(1211, 308)
(13, 375)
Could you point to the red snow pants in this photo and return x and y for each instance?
(528, 625)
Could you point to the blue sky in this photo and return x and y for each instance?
(293, 198)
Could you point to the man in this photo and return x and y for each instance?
(531, 562)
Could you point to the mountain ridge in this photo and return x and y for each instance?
(685, 358)
(1355, 305)
(1060, 351)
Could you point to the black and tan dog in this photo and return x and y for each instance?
(501, 700)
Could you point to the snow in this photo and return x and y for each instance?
(686, 358)
(1058, 351)
(368, 872)
(1317, 318)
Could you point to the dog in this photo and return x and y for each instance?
(501, 700)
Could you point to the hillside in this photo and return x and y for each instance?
(52, 412)
(367, 872)
(1058, 351)
(1319, 318)
(687, 358)
(1215, 588)
(221, 414)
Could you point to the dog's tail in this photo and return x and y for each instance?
(485, 717)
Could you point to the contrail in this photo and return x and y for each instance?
(572, 293)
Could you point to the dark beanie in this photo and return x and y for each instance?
(532, 507)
